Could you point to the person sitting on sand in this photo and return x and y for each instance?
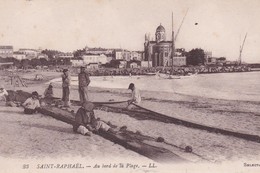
(135, 98)
(48, 93)
(3, 93)
(86, 121)
(31, 104)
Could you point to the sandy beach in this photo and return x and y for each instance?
(42, 137)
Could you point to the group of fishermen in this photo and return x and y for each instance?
(85, 120)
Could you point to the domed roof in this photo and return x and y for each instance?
(160, 28)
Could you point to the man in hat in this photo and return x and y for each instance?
(84, 81)
(65, 88)
(31, 104)
(135, 98)
(86, 121)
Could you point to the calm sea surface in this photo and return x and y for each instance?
(232, 86)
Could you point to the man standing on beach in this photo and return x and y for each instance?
(84, 81)
(65, 88)
(136, 97)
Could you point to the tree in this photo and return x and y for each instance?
(34, 62)
(25, 63)
(16, 62)
(222, 58)
(79, 52)
(114, 63)
(50, 53)
(195, 57)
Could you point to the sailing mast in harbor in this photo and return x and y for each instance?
(240, 51)
(174, 38)
(173, 42)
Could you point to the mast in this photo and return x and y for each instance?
(240, 51)
(173, 42)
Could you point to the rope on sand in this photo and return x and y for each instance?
(167, 119)
(254, 138)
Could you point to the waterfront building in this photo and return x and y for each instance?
(162, 52)
(98, 51)
(93, 65)
(146, 64)
(119, 54)
(127, 55)
(42, 55)
(216, 61)
(179, 60)
(208, 57)
(211, 60)
(221, 61)
(101, 59)
(30, 53)
(77, 62)
(122, 63)
(6, 51)
(67, 55)
(19, 55)
(134, 64)
(136, 55)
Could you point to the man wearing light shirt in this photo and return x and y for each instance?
(3, 93)
(135, 98)
(31, 104)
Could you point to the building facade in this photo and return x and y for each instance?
(101, 59)
(161, 52)
(119, 54)
(67, 55)
(179, 61)
(98, 51)
(136, 55)
(77, 62)
(30, 53)
(6, 51)
(19, 56)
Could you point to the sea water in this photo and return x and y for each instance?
(231, 86)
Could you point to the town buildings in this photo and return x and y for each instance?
(29, 54)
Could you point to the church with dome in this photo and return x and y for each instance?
(162, 52)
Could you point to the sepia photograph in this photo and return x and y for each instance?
(126, 86)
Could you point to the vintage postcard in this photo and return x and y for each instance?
(126, 86)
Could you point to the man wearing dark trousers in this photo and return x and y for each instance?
(84, 81)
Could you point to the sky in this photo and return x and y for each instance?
(68, 25)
